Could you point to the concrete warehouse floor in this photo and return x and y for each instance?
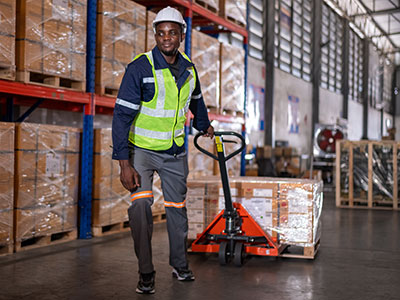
(359, 258)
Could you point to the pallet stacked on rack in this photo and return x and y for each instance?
(205, 54)
(46, 184)
(51, 43)
(366, 174)
(7, 39)
(7, 132)
(287, 209)
(232, 80)
(120, 37)
(210, 5)
(234, 11)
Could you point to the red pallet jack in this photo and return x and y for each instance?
(233, 233)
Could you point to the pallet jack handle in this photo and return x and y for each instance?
(220, 134)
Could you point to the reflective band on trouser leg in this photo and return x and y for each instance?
(173, 204)
(144, 194)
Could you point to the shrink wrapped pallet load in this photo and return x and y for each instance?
(200, 165)
(51, 42)
(7, 132)
(205, 55)
(7, 39)
(46, 180)
(232, 79)
(121, 34)
(234, 10)
(211, 5)
(288, 210)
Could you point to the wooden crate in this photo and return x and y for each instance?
(369, 201)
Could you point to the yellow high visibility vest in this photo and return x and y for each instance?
(161, 121)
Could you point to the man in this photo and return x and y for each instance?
(156, 92)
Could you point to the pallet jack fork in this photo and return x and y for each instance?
(233, 233)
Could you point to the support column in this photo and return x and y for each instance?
(365, 95)
(345, 68)
(269, 46)
(316, 63)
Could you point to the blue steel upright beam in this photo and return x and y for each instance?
(85, 201)
(246, 56)
(188, 52)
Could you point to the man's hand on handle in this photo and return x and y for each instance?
(129, 177)
(209, 132)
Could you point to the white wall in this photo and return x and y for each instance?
(285, 85)
(374, 124)
(330, 106)
(355, 121)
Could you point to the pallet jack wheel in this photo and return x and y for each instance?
(223, 254)
(239, 254)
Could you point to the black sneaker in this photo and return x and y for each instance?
(183, 274)
(146, 283)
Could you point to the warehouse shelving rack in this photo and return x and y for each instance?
(23, 94)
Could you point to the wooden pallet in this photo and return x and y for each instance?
(7, 72)
(159, 217)
(110, 229)
(6, 249)
(212, 109)
(46, 240)
(291, 251)
(107, 91)
(207, 6)
(50, 80)
(232, 113)
(371, 201)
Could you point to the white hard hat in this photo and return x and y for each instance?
(169, 14)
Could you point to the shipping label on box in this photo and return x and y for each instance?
(53, 164)
(234, 191)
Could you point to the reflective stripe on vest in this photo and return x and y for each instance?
(161, 120)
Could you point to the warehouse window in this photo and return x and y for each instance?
(356, 53)
(293, 37)
(387, 86)
(256, 24)
(331, 51)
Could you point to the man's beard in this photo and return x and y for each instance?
(169, 53)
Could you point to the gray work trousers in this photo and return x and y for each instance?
(173, 171)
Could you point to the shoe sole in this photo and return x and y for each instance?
(139, 291)
(176, 275)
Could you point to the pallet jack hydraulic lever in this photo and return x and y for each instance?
(239, 234)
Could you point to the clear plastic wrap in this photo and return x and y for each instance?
(205, 55)
(46, 178)
(121, 34)
(51, 38)
(7, 131)
(232, 78)
(288, 209)
(200, 165)
(236, 10)
(7, 39)
(212, 5)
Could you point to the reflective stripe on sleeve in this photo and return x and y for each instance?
(148, 80)
(197, 96)
(127, 104)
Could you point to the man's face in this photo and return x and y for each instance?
(168, 37)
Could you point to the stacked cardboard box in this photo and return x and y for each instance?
(234, 10)
(200, 165)
(288, 209)
(6, 183)
(232, 78)
(201, 204)
(7, 39)
(46, 179)
(51, 39)
(121, 34)
(205, 54)
(110, 199)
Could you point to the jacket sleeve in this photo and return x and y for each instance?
(198, 108)
(126, 108)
